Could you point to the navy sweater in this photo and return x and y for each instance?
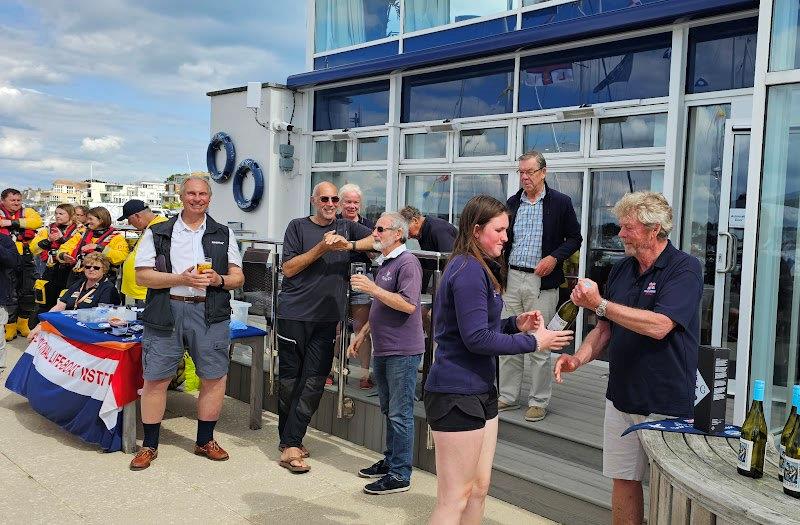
(469, 331)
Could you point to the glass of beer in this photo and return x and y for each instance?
(205, 264)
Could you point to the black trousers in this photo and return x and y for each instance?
(25, 305)
(305, 353)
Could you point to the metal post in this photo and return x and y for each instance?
(273, 333)
(342, 361)
(429, 350)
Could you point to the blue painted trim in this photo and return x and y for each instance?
(648, 15)
(387, 49)
(457, 35)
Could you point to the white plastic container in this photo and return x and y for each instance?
(240, 310)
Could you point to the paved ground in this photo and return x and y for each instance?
(49, 476)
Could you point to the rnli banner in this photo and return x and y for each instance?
(80, 386)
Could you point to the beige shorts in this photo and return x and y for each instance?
(623, 457)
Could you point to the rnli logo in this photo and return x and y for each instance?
(387, 277)
(650, 290)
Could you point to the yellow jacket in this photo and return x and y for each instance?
(44, 232)
(29, 221)
(129, 286)
(116, 250)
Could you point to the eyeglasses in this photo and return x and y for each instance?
(529, 173)
(93, 267)
(381, 229)
(325, 198)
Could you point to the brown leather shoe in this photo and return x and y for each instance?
(143, 458)
(212, 451)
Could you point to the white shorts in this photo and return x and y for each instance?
(623, 457)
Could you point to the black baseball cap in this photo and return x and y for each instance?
(131, 207)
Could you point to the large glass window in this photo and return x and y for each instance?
(722, 56)
(702, 198)
(784, 51)
(352, 106)
(633, 131)
(484, 142)
(555, 137)
(561, 12)
(343, 23)
(465, 92)
(431, 193)
(776, 309)
(425, 146)
(630, 69)
(422, 14)
(371, 182)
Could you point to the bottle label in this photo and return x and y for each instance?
(557, 323)
(745, 454)
(782, 458)
(791, 467)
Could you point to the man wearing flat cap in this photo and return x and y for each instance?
(141, 217)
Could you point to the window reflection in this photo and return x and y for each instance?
(467, 186)
(352, 106)
(722, 56)
(342, 23)
(636, 68)
(373, 148)
(555, 137)
(371, 182)
(430, 194)
(574, 10)
(330, 151)
(633, 131)
(784, 51)
(422, 14)
(483, 142)
(701, 198)
(465, 92)
(426, 146)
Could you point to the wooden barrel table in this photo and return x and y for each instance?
(693, 480)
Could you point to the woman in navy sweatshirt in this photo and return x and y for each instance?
(460, 393)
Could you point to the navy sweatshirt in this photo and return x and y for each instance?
(469, 331)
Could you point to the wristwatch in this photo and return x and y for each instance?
(221, 282)
(600, 311)
(353, 245)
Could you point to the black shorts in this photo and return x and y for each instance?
(460, 412)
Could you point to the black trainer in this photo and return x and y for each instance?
(388, 484)
(378, 470)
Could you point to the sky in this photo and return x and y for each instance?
(119, 86)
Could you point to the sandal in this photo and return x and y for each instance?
(295, 469)
(303, 449)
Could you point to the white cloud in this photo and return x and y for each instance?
(58, 167)
(17, 147)
(101, 144)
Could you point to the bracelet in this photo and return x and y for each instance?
(221, 282)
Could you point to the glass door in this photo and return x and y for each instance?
(729, 242)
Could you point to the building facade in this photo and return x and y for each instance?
(429, 103)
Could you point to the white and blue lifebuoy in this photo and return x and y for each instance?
(252, 167)
(219, 140)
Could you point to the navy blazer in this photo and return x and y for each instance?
(561, 236)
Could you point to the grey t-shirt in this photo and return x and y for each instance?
(317, 293)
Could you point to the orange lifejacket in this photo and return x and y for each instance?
(55, 245)
(23, 235)
(89, 237)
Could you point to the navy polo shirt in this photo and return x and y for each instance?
(647, 375)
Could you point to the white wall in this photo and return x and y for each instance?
(284, 193)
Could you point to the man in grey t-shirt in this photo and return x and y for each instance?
(311, 302)
(398, 342)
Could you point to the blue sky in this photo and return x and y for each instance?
(121, 84)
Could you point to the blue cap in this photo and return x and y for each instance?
(758, 390)
(796, 396)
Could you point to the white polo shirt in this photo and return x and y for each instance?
(186, 249)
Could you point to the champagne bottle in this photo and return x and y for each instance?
(565, 316)
(788, 428)
(753, 442)
(791, 459)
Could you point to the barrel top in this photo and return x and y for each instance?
(704, 468)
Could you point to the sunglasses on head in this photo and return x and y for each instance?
(381, 229)
(93, 267)
(325, 198)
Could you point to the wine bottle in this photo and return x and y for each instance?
(791, 460)
(565, 316)
(753, 442)
(788, 428)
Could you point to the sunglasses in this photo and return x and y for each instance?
(93, 267)
(381, 229)
(325, 198)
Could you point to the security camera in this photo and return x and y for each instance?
(279, 125)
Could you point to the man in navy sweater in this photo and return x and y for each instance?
(542, 233)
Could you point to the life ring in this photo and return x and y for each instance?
(251, 166)
(221, 139)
